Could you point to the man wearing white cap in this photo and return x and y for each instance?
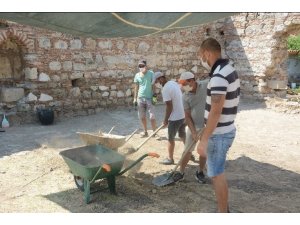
(194, 98)
(174, 115)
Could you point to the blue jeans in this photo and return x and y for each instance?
(218, 146)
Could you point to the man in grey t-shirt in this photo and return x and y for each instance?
(194, 98)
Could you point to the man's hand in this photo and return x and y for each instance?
(165, 123)
(134, 101)
(202, 148)
(195, 136)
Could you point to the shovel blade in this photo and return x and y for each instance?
(163, 180)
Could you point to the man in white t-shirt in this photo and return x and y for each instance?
(174, 115)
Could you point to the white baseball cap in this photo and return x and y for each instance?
(185, 76)
(157, 75)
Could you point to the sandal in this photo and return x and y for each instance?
(144, 134)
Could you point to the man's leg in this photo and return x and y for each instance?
(171, 146)
(218, 146)
(187, 144)
(142, 114)
(221, 191)
(151, 114)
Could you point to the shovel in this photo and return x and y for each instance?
(167, 178)
(130, 136)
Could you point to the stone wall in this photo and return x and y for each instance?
(81, 76)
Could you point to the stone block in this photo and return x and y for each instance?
(79, 66)
(44, 42)
(105, 44)
(143, 47)
(103, 88)
(67, 65)
(128, 92)
(113, 94)
(31, 97)
(55, 65)
(75, 44)
(45, 98)
(120, 45)
(94, 88)
(76, 75)
(75, 92)
(31, 73)
(120, 94)
(194, 69)
(90, 44)
(105, 94)
(11, 94)
(44, 77)
(61, 45)
(277, 84)
(113, 87)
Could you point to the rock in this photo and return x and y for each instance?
(154, 191)
(67, 65)
(94, 88)
(31, 97)
(11, 94)
(105, 94)
(120, 94)
(76, 44)
(128, 92)
(45, 98)
(44, 77)
(105, 44)
(31, 73)
(113, 87)
(55, 65)
(44, 42)
(61, 45)
(103, 88)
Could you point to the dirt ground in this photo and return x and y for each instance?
(262, 167)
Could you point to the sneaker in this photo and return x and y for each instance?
(200, 177)
(144, 134)
(167, 161)
(178, 176)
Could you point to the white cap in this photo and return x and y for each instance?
(157, 75)
(185, 76)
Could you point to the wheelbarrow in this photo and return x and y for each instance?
(94, 162)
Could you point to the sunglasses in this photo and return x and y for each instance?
(141, 66)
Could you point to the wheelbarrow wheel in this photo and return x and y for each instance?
(79, 181)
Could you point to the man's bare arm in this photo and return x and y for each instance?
(217, 103)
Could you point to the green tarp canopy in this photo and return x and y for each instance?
(113, 25)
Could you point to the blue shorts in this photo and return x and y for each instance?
(218, 146)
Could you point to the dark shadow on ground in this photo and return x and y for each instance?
(254, 187)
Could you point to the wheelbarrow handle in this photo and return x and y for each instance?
(105, 167)
(153, 154)
(137, 161)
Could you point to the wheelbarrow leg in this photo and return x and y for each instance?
(87, 191)
(111, 181)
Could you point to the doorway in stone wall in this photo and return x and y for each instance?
(293, 61)
(11, 63)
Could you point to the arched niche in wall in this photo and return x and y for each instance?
(11, 63)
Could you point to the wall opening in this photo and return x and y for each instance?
(11, 63)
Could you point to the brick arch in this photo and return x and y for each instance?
(20, 38)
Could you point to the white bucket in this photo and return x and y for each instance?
(293, 85)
